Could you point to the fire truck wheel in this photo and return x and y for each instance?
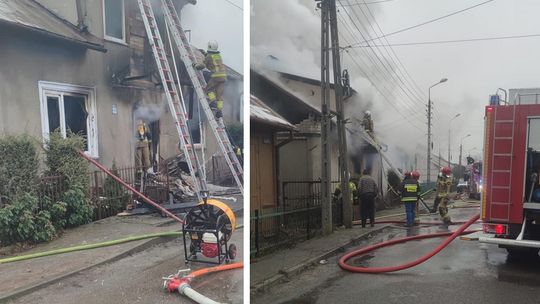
(232, 251)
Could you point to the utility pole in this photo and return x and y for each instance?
(429, 140)
(330, 42)
(326, 174)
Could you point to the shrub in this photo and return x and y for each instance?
(63, 159)
(78, 208)
(57, 213)
(22, 221)
(18, 167)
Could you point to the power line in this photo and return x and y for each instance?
(365, 3)
(392, 75)
(447, 41)
(429, 21)
(235, 5)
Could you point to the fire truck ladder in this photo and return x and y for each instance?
(504, 161)
(173, 98)
(218, 127)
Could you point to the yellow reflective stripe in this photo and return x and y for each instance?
(409, 199)
(216, 75)
(411, 188)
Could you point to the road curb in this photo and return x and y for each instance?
(143, 246)
(290, 272)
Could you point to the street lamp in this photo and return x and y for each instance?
(429, 130)
(461, 148)
(449, 128)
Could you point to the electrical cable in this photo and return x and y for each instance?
(450, 41)
(404, 88)
(429, 21)
(407, 119)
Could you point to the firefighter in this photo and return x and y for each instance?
(416, 175)
(216, 86)
(367, 123)
(352, 191)
(144, 138)
(444, 182)
(410, 193)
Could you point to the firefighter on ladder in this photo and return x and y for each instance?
(367, 123)
(218, 77)
(444, 182)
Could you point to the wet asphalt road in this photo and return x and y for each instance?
(464, 272)
(138, 279)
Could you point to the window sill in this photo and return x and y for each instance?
(115, 40)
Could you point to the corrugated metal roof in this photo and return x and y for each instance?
(259, 111)
(32, 15)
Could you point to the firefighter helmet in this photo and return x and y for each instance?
(367, 113)
(446, 171)
(406, 174)
(212, 46)
(416, 175)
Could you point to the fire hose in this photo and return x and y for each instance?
(183, 284)
(451, 236)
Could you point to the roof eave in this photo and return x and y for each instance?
(84, 44)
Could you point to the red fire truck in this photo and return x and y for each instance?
(510, 208)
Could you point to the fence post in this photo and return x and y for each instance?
(256, 232)
(307, 226)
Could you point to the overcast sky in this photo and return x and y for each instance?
(219, 20)
(290, 30)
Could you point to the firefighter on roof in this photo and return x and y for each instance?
(216, 86)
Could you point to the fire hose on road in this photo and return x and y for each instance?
(451, 236)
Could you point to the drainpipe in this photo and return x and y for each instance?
(81, 16)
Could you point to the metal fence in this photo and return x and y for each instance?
(106, 195)
(298, 217)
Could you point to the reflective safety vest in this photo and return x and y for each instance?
(352, 190)
(410, 190)
(214, 63)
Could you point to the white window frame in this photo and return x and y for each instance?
(110, 38)
(47, 88)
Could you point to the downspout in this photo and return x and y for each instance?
(81, 15)
(278, 172)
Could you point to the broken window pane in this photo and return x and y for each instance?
(114, 18)
(76, 115)
(54, 113)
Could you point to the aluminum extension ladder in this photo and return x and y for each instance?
(197, 79)
(173, 98)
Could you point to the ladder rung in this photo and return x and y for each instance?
(507, 137)
(149, 16)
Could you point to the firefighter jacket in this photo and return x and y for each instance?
(352, 190)
(443, 186)
(214, 63)
(367, 123)
(143, 134)
(410, 190)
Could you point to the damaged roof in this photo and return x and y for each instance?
(31, 15)
(260, 112)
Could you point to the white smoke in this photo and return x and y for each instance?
(148, 112)
(285, 36)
